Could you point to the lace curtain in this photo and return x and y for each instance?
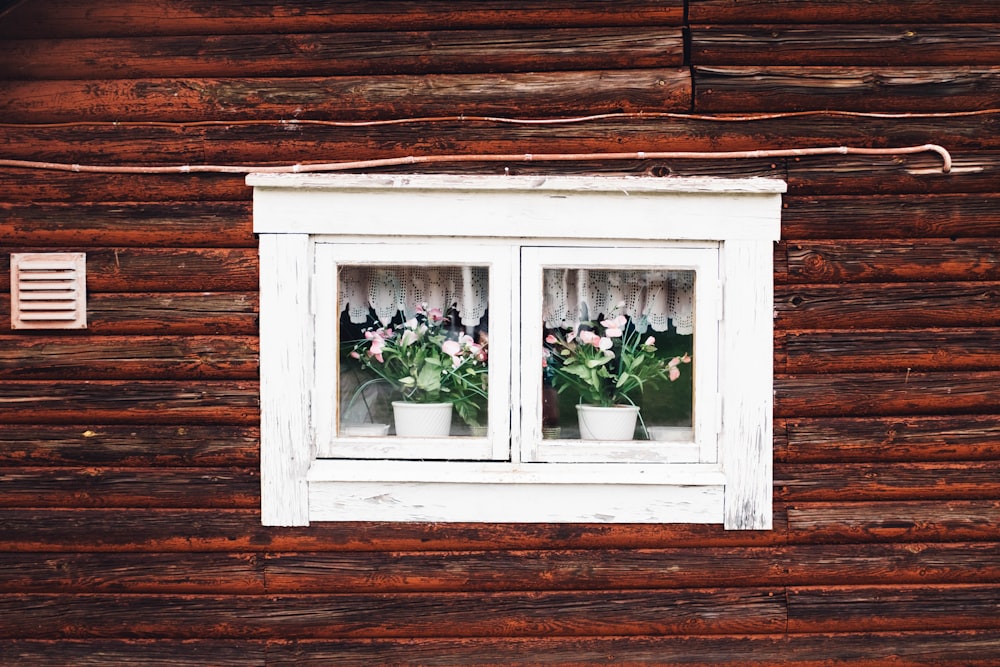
(571, 295)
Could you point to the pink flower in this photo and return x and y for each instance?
(355, 355)
(435, 315)
(674, 373)
(613, 332)
(551, 340)
(587, 337)
(603, 343)
(451, 347)
(650, 341)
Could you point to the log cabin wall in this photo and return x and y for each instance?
(130, 527)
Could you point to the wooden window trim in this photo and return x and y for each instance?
(742, 216)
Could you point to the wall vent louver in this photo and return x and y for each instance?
(48, 290)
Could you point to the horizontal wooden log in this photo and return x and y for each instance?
(98, 653)
(128, 357)
(898, 564)
(626, 569)
(161, 269)
(891, 260)
(292, 141)
(894, 521)
(891, 216)
(874, 306)
(522, 570)
(974, 648)
(826, 440)
(840, 11)
(130, 487)
(37, 185)
(792, 43)
(344, 54)
(782, 88)
(343, 573)
(184, 224)
(892, 608)
(65, 18)
(207, 313)
(130, 402)
(900, 393)
(239, 573)
(129, 445)
(227, 530)
(494, 614)
(349, 97)
(887, 350)
(972, 172)
(886, 481)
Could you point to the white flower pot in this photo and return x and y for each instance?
(422, 420)
(600, 423)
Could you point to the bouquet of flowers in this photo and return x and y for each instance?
(608, 362)
(427, 362)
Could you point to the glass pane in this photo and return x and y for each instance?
(621, 341)
(414, 350)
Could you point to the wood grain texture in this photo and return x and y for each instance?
(909, 649)
(844, 216)
(936, 260)
(129, 487)
(894, 521)
(239, 573)
(125, 18)
(839, 11)
(882, 44)
(892, 608)
(721, 89)
(344, 53)
(964, 480)
(899, 393)
(145, 313)
(887, 305)
(129, 445)
(184, 224)
(351, 97)
(847, 439)
(128, 358)
(130, 531)
(887, 350)
(583, 613)
(128, 401)
(197, 530)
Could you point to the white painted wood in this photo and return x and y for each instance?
(495, 503)
(286, 349)
(704, 261)
(566, 207)
(580, 493)
(747, 386)
(500, 215)
(329, 257)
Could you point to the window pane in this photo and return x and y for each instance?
(617, 338)
(413, 335)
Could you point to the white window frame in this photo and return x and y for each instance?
(292, 213)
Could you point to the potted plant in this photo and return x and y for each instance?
(433, 368)
(608, 363)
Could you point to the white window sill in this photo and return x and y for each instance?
(510, 493)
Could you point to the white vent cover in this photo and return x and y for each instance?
(48, 290)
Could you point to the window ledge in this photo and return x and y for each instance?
(510, 493)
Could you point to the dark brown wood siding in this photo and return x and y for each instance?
(129, 486)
